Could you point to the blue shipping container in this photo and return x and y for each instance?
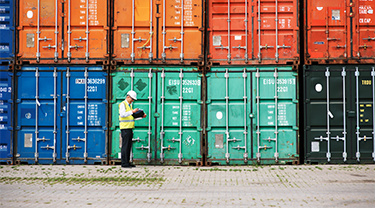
(61, 114)
(6, 115)
(7, 39)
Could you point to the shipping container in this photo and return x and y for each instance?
(61, 115)
(171, 133)
(7, 39)
(51, 32)
(166, 32)
(244, 126)
(258, 32)
(6, 116)
(339, 113)
(339, 31)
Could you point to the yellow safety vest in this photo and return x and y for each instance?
(127, 122)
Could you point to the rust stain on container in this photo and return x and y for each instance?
(339, 31)
(49, 35)
(158, 32)
(253, 32)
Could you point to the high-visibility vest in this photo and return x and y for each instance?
(127, 122)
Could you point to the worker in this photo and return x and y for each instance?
(126, 119)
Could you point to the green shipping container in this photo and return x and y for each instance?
(243, 124)
(171, 132)
(339, 114)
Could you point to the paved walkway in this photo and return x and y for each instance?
(168, 186)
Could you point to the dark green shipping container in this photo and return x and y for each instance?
(339, 113)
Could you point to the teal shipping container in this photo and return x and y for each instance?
(252, 116)
(339, 114)
(171, 97)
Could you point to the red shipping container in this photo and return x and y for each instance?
(158, 32)
(339, 32)
(253, 32)
(49, 35)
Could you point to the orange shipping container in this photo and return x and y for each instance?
(50, 34)
(253, 32)
(158, 32)
(339, 31)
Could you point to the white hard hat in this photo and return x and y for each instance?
(132, 94)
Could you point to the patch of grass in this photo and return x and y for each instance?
(317, 167)
(83, 180)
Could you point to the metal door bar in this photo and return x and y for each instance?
(85, 154)
(337, 138)
(54, 155)
(67, 155)
(180, 132)
(245, 155)
(37, 104)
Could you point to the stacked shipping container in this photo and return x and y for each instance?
(7, 41)
(339, 99)
(62, 82)
(217, 80)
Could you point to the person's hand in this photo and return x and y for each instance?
(144, 116)
(135, 110)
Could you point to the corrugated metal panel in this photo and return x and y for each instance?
(339, 116)
(253, 32)
(6, 116)
(70, 32)
(58, 120)
(241, 122)
(171, 108)
(169, 32)
(7, 39)
(339, 32)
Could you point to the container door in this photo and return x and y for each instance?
(364, 25)
(39, 30)
(6, 117)
(228, 96)
(275, 115)
(230, 35)
(179, 106)
(7, 29)
(134, 32)
(327, 30)
(180, 31)
(143, 82)
(86, 29)
(276, 29)
(84, 120)
(327, 112)
(38, 106)
(363, 122)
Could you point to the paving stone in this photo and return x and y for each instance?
(221, 186)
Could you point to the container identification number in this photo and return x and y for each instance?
(366, 82)
(92, 89)
(184, 82)
(6, 89)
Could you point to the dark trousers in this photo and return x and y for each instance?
(127, 137)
